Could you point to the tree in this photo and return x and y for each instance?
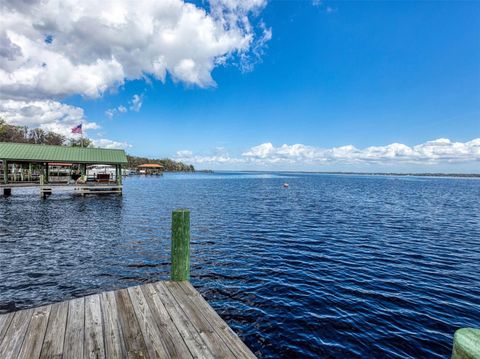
(78, 142)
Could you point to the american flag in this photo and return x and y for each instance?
(77, 129)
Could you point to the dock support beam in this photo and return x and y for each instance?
(466, 344)
(118, 174)
(180, 245)
(5, 171)
(7, 192)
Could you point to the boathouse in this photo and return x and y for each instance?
(27, 165)
(150, 169)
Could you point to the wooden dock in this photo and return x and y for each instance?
(158, 320)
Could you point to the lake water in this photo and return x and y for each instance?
(333, 266)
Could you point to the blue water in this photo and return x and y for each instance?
(333, 266)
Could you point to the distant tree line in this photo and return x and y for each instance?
(168, 164)
(23, 134)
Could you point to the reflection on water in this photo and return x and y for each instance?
(340, 266)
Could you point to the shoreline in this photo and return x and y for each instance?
(393, 174)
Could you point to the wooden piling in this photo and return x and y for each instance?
(180, 245)
(5, 171)
(466, 344)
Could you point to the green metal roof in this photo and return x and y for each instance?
(44, 153)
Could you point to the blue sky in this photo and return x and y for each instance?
(332, 74)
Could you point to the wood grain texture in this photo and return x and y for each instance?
(15, 334)
(55, 334)
(172, 338)
(75, 330)
(132, 334)
(158, 320)
(114, 344)
(151, 333)
(203, 327)
(94, 346)
(32, 344)
(190, 335)
(235, 344)
(5, 320)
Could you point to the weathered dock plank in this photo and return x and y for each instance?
(203, 327)
(232, 340)
(4, 324)
(94, 345)
(15, 334)
(175, 344)
(157, 320)
(55, 335)
(75, 331)
(114, 343)
(32, 344)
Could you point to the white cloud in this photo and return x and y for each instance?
(136, 103)
(219, 157)
(50, 48)
(46, 114)
(110, 112)
(440, 151)
(110, 144)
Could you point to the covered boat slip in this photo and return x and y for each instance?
(44, 166)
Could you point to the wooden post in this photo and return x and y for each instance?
(46, 173)
(180, 245)
(466, 344)
(5, 171)
(119, 175)
(30, 172)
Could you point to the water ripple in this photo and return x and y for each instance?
(333, 266)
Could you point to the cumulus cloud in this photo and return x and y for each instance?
(46, 114)
(136, 103)
(218, 157)
(50, 48)
(53, 49)
(105, 143)
(438, 151)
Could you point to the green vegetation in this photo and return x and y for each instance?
(168, 164)
(23, 134)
